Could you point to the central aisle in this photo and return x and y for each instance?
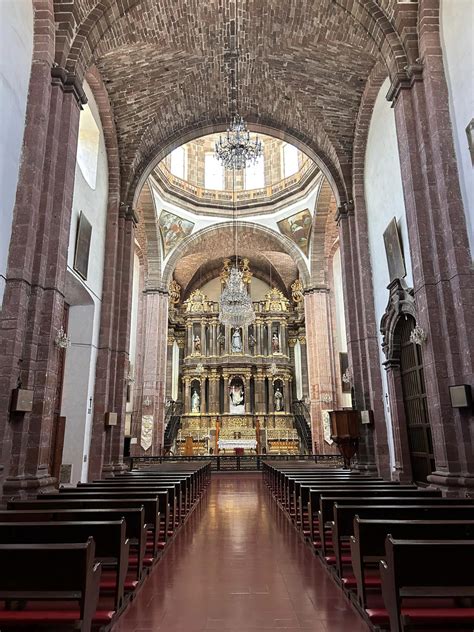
(238, 566)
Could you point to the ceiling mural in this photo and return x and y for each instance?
(298, 228)
(173, 230)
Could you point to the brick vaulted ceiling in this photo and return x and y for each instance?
(302, 69)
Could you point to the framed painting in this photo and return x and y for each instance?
(394, 251)
(173, 230)
(297, 227)
(83, 245)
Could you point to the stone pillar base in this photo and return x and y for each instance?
(27, 486)
(112, 469)
(453, 484)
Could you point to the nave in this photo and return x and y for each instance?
(238, 566)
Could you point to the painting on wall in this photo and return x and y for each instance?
(173, 230)
(83, 246)
(394, 251)
(298, 228)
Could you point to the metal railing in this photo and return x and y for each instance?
(172, 423)
(303, 423)
(237, 463)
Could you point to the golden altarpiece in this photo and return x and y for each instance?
(237, 385)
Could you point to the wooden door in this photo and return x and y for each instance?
(415, 403)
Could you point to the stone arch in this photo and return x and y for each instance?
(322, 216)
(401, 303)
(286, 244)
(149, 235)
(326, 159)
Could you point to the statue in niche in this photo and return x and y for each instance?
(237, 341)
(195, 402)
(197, 344)
(275, 343)
(236, 395)
(278, 400)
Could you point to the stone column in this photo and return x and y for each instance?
(440, 254)
(119, 359)
(304, 364)
(154, 371)
(169, 365)
(189, 339)
(320, 368)
(33, 301)
(203, 338)
(260, 394)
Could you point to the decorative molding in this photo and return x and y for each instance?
(405, 80)
(68, 82)
(401, 302)
(128, 213)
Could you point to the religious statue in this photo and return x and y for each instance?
(225, 272)
(275, 343)
(278, 400)
(236, 341)
(236, 395)
(175, 292)
(197, 344)
(195, 402)
(297, 291)
(245, 269)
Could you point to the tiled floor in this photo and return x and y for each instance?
(238, 566)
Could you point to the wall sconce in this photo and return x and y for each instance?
(418, 336)
(461, 396)
(62, 340)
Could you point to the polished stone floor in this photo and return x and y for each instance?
(238, 566)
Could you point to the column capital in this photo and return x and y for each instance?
(344, 211)
(405, 80)
(128, 213)
(316, 289)
(156, 290)
(68, 82)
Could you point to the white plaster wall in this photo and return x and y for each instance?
(457, 41)
(134, 325)
(340, 337)
(384, 200)
(84, 322)
(16, 51)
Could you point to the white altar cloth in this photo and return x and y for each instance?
(230, 444)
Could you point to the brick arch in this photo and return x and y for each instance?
(86, 24)
(43, 31)
(326, 159)
(149, 236)
(285, 244)
(324, 232)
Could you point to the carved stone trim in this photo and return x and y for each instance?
(68, 82)
(401, 302)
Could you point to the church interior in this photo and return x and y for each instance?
(237, 315)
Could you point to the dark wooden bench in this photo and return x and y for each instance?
(50, 574)
(136, 531)
(344, 514)
(111, 546)
(368, 497)
(425, 570)
(367, 546)
(91, 493)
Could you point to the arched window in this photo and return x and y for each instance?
(178, 162)
(213, 173)
(88, 146)
(290, 160)
(255, 175)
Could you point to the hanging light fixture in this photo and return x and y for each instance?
(237, 150)
(236, 309)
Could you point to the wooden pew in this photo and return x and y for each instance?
(50, 573)
(93, 493)
(343, 518)
(134, 518)
(426, 569)
(368, 545)
(54, 501)
(382, 496)
(111, 545)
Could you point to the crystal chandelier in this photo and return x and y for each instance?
(237, 150)
(236, 309)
